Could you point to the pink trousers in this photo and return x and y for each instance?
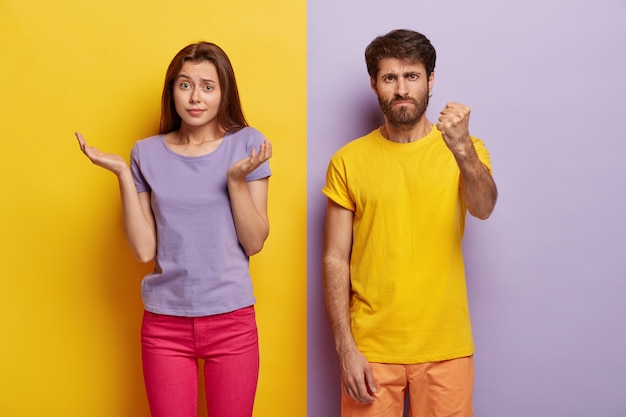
(228, 345)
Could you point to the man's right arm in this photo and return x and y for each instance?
(356, 373)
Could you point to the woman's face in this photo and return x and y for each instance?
(197, 94)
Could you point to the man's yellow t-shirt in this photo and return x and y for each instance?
(408, 300)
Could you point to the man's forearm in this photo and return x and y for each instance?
(337, 294)
(477, 185)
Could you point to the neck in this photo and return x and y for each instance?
(199, 135)
(406, 134)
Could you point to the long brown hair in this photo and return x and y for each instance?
(230, 114)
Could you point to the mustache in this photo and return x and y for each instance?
(399, 98)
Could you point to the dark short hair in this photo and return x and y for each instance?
(230, 114)
(403, 44)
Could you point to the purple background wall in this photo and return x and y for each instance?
(546, 81)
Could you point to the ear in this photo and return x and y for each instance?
(431, 81)
(373, 85)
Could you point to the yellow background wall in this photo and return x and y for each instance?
(70, 306)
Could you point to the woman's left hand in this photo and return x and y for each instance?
(241, 168)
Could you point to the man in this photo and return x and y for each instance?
(394, 278)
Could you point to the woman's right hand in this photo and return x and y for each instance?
(112, 162)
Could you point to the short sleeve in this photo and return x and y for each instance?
(135, 166)
(482, 153)
(255, 139)
(336, 187)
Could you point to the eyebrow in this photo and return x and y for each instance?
(404, 74)
(206, 80)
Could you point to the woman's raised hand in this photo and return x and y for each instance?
(112, 162)
(243, 167)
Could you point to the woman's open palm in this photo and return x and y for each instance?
(109, 161)
(245, 166)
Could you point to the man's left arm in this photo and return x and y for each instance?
(477, 185)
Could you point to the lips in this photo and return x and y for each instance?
(402, 102)
(195, 112)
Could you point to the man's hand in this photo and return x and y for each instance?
(477, 186)
(356, 376)
(454, 126)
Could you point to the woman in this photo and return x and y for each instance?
(195, 201)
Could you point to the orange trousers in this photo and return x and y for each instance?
(436, 389)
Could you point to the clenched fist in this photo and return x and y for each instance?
(454, 126)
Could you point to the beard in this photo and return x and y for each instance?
(406, 116)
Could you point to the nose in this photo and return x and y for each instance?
(402, 87)
(194, 97)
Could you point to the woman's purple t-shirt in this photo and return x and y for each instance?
(200, 267)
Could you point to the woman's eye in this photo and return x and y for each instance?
(208, 87)
(184, 85)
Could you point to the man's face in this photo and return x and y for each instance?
(402, 89)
